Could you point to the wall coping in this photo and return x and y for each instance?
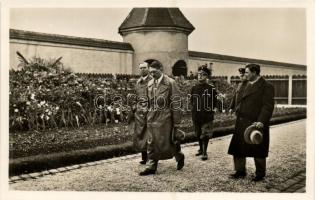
(69, 40)
(243, 59)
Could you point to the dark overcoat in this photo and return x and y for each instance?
(164, 112)
(138, 124)
(203, 100)
(255, 105)
(237, 96)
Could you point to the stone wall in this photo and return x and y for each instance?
(77, 58)
(87, 55)
(230, 68)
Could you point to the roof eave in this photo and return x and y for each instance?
(198, 54)
(160, 28)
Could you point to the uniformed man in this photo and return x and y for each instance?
(239, 91)
(204, 101)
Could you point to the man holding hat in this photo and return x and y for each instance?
(204, 101)
(254, 111)
(137, 122)
(163, 118)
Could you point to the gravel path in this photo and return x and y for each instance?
(287, 157)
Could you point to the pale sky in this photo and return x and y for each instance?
(277, 34)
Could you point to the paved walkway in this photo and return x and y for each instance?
(285, 170)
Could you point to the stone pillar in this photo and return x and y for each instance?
(290, 90)
(229, 79)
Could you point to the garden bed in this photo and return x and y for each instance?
(116, 144)
(30, 143)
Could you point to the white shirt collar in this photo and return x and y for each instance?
(142, 78)
(159, 80)
(145, 78)
(253, 82)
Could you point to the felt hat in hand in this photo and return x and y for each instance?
(253, 135)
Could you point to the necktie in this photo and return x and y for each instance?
(155, 83)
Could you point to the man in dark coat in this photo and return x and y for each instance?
(255, 107)
(163, 118)
(235, 103)
(138, 122)
(204, 101)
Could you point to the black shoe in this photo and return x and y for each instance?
(181, 163)
(143, 162)
(204, 157)
(258, 178)
(199, 153)
(147, 172)
(238, 175)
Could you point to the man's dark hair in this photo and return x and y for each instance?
(204, 69)
(253, 68)
(156, 65)
(241, 70)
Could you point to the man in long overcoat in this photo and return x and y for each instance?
(163, 117)
(235, 103)
(255, 107)
(138, 123)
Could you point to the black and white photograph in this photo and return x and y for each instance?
(147, 100)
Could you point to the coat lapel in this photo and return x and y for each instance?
(252, 88)
(161, 88)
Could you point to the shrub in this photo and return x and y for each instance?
(43, 95)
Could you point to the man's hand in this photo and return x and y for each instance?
(230, 111)
(258, 125)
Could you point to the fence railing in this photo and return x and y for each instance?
(299, 91)
(288, 90)
(285, 92)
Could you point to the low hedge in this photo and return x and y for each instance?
(49, 161)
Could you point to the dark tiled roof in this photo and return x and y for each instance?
(241, 59)
(156, 18)
(62, 39)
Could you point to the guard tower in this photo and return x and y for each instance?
(158, 34)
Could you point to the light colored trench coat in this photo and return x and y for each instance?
(164, 112)
(138, 126)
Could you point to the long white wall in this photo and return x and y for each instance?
(100, 60)
(78, 58)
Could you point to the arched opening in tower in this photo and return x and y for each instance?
(180, 68)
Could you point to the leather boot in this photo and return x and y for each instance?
(200, 148)
(144, 156)
(204, 149)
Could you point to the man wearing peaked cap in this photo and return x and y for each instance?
(234, 106)
(254, 106)
(203, 100)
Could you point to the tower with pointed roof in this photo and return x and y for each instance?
(158, 34)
